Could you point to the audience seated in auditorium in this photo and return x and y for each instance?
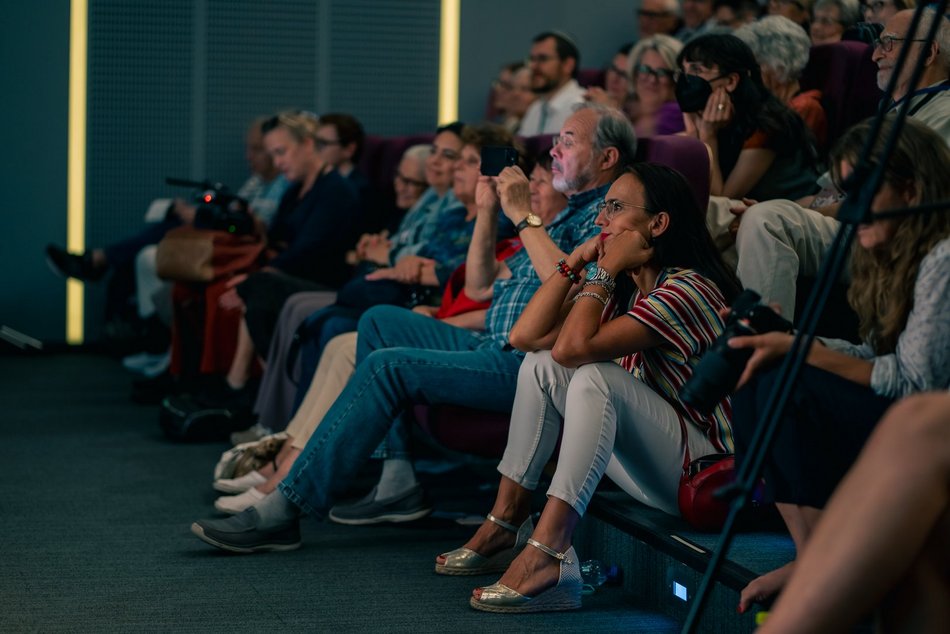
(697, 19)
(900, 289)
(279, 385)
(882, 542)
(339, 359)
(405, 358)
(420, 271)
(318, 220)
(831, 18)
(658, 17)
(554, 61)
(779, 240)
(621, 419)
(782, 47)
(758, 146)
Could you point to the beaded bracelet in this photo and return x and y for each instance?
(566, 271)
(597, 296)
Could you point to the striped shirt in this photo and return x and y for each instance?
(684, 310)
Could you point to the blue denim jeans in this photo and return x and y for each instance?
(402, 358)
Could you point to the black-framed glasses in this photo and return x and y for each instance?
(409, 182)
(445, 153)
(886, 42)
(655, 73)
(643, 13)
(612, 207)
(540, 58)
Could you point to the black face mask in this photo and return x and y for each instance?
(692, 92)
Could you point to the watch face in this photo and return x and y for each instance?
(533, 220)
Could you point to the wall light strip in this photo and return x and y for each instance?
(76, 162)
(449, 61)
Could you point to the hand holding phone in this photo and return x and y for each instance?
(496, 158)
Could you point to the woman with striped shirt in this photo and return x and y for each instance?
(626, 419)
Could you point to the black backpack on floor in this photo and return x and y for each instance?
(185, 420)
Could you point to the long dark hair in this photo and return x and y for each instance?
(686, 243)
(756, 108)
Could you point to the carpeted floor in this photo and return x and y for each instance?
(95, 508)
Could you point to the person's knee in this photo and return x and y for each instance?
(761, 222)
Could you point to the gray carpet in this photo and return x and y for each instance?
(96, 505)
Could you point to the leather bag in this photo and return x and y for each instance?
(187, 254)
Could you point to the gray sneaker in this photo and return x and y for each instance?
(406, 507)
(240, 534)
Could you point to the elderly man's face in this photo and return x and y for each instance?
(893, 38)
(573, 153)
(696, 12)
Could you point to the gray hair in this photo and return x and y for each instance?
(665, 46)
(849, 11)
(419, 153)
(778, 44)
(941, 39)
(613, 130)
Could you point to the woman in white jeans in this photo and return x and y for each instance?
(621, 419)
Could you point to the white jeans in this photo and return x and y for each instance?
(147, 282)
(613, 424)
(779, 240)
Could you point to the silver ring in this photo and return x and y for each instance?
(721, 106)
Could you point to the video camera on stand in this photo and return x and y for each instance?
(218, 208)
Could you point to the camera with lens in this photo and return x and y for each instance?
(719, 370)
(218, 208)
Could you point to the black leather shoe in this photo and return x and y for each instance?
(80, 267)
(240, 534)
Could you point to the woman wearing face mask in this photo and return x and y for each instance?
(759, 148)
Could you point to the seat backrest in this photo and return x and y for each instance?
(686, 155)
(847, 79)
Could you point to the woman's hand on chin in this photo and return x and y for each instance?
(624, 251)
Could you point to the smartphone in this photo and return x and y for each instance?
(496, 158)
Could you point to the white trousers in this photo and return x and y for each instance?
(779, 240)
(613, 424)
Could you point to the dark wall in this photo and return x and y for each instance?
(34, 40)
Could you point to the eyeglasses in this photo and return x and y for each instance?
(795, 2)
(504, 85)
(409, 182)
(445, 153)
(540, 58)
(612, 207)
(560, 139)
(655, 73)
(886, 42)
(697, 73)
(320, 143)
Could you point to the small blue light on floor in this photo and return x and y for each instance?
(679, 591)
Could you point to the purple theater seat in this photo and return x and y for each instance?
(847, 79)
(379, 160)
(483, 433)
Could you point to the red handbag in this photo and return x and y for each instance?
(700, 480)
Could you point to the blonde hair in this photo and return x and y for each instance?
(665, 46)
(883, 279)
(300, 124)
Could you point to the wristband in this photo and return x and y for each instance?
(600, 277)
(597, 296)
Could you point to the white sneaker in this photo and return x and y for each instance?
(157, 364)
(239, 485)
(234, 504)
(135, 362)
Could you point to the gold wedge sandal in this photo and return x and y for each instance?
(465, 561)
(566, 595)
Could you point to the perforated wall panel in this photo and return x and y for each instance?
(385, 63)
